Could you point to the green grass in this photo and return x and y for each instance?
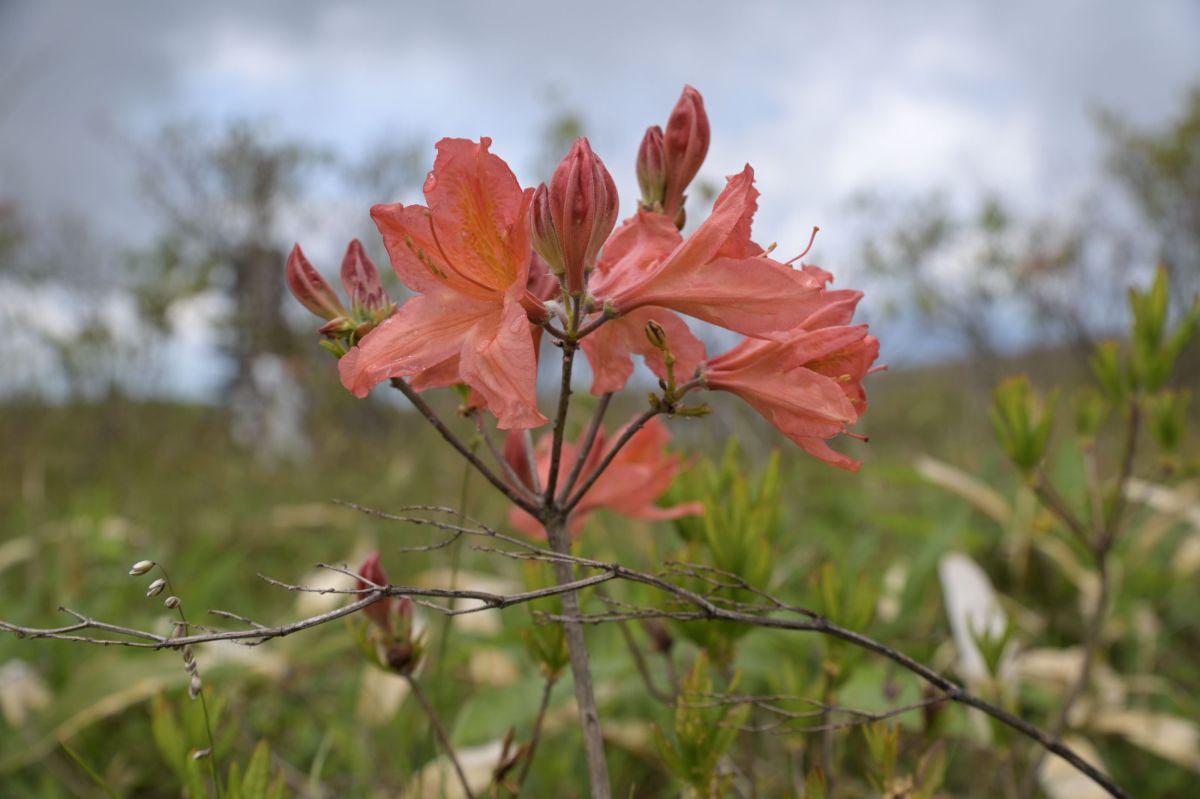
(86, 490)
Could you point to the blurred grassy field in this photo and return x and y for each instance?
(85, 490)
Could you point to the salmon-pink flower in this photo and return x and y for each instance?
(809, 385)
(571, 219)
(718, 274)
(685, 144)
(637, 476)
(466, 255)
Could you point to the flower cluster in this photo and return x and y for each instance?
(493, 268)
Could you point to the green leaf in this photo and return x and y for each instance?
(258, 773)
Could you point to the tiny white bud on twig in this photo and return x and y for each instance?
(200, 754)
(141, 567)
(194, 686)
(156, 587)
(171, 602)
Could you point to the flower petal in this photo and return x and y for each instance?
(408, 237)
(479, 215)
(499, 362)
(426, 331)
(609, 348)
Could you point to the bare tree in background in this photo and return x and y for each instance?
(233, 200)
(1159, 170)
(972, 276)
(223, 197)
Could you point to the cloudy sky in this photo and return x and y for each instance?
(824, 99)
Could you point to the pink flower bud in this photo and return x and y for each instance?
(652, 168)
(361, 279)
(543, 233)
(573, 218)
(373, 572)
(685, 144)
(310, 288)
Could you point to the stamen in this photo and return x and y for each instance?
(811, 239)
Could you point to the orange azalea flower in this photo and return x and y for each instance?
(809, 385)
(466, 255)
(717, 274)
(637, 476)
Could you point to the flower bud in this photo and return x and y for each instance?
(572, 219)
(194, 686)
(307, 285)
(200, 754)
(685, 144)
(652, 169)
(155, 588)
(141, 567)
(543, 233)
(171, 602)
(656, 335)
(372, 572)
(361, 279)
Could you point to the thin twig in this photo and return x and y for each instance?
(536, 736)
(589, 441)
(454, 441)
(1053, 502)
(636, 425)
(513, 479)
(440, 731)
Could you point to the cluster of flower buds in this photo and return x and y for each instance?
(395, 644)
(667, 162)
(369, 302)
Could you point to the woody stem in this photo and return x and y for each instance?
(585, 695)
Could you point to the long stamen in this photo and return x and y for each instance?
(811, 239)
